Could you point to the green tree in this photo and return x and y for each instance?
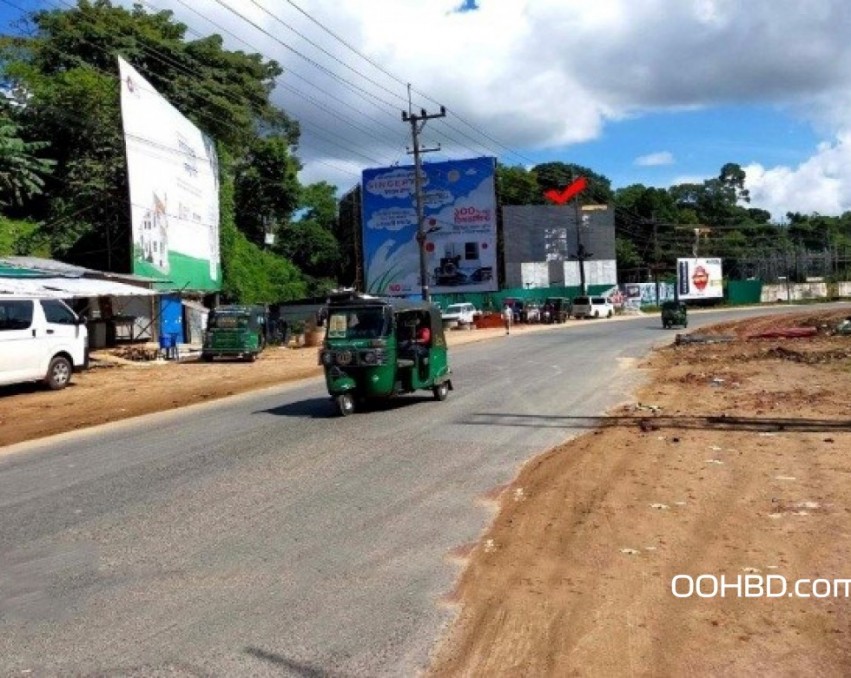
(68, 70)
(21, 170)
(310, 241)
(558, 175)
(517, 186)
(267, 186)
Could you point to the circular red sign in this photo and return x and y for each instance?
(429, 246)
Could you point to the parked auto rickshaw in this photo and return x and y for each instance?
(371, 349)
(556, 310)
(674, 313)
(235, 332)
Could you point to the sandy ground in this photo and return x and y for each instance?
(733, 460)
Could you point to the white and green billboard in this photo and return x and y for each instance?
(173, 173)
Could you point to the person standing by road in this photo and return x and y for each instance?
(507, 317)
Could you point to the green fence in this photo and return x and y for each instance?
(492, 301)
(744, 291)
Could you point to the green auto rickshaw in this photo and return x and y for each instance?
(235, 332)
(378, 347)
(674, 313)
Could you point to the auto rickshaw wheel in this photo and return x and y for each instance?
(345, 404)
(441, 391)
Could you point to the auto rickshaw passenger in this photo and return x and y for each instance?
(423, 333)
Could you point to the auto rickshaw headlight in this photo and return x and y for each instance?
(369, 358)
(344, 357)
(326, 357)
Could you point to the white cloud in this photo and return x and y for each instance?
(821, 184)
(534, 74)
(655, 159)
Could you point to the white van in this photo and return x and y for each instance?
(593, 307)
(460, 314)
(41, 339)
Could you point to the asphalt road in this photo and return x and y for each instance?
(263, 535)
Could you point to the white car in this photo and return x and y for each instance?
(593, 307)
(461, 314)
(41, 339)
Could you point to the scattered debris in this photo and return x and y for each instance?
(490, 546)
(714, 461)
(785, 333)
(630, 552)
(519, 495)
(751, 570)
(703, 339)
(785, 478)
(660, 507)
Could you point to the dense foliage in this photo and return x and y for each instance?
(63, 127)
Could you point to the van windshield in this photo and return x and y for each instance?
(581, 301)
(598, 300)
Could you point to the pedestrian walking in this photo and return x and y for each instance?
(507, 317)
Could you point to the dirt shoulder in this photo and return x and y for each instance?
(736, 463)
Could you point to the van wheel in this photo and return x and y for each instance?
(441, 391)
(609, 314)
(596, 314)
(58, 373)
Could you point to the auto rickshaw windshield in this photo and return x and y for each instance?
(228, 322)
(358, 323)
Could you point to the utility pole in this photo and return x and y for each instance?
(417, 123)
(581, 254)
(656, 257)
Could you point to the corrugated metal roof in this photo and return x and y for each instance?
(25, 267)
(71, 288)
(43, 266)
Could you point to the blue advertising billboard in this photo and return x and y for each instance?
(460, 217)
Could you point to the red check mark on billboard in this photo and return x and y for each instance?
(561, 197)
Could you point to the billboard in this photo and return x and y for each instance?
(173, 174)
(699, 279)
(549, 235)
(460, 217)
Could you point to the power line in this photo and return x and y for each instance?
(401, 82)
(204, 115)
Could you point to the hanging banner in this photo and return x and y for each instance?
(173, 174)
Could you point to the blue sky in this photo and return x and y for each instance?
(653, 92)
